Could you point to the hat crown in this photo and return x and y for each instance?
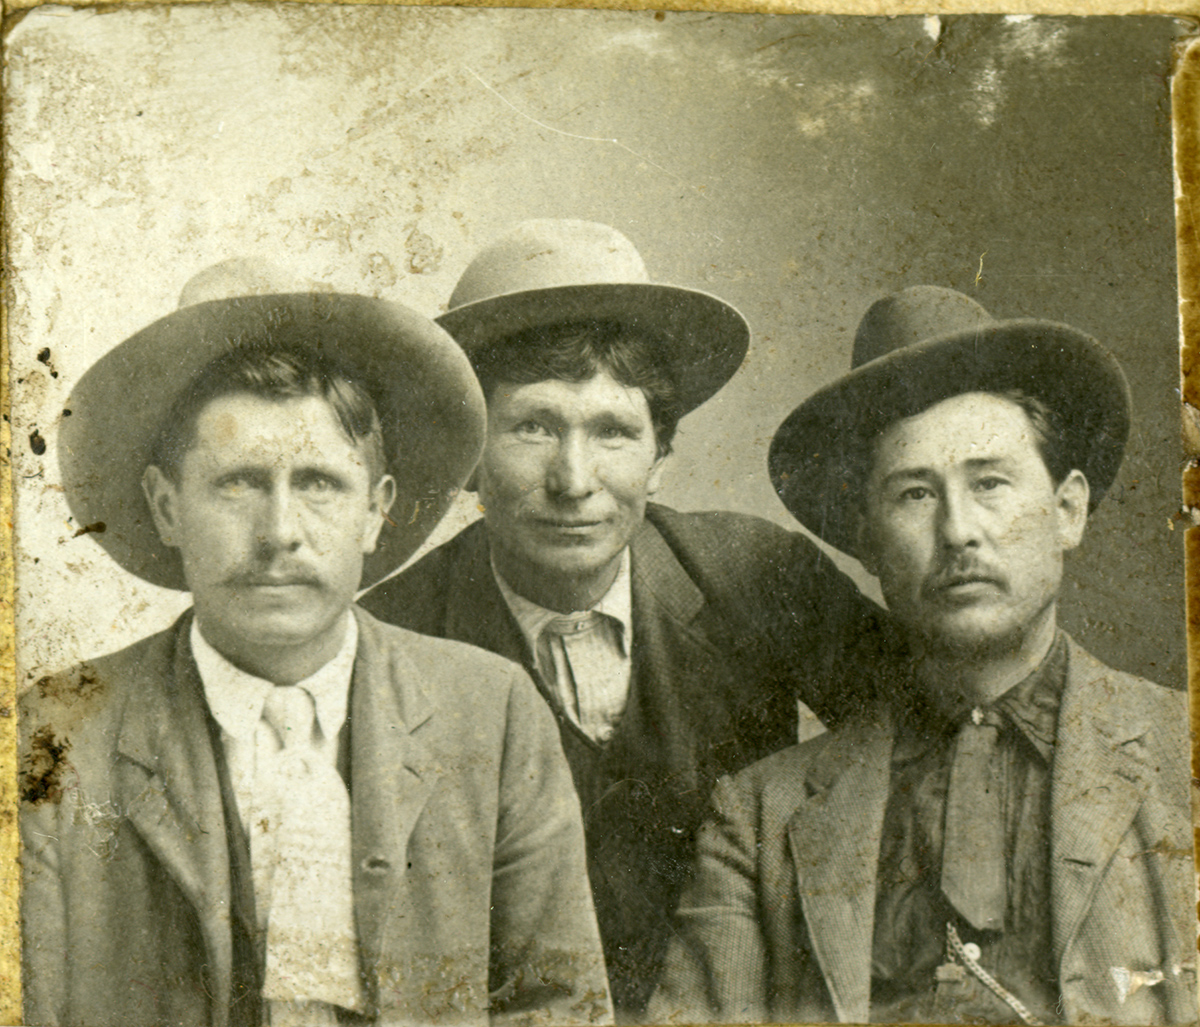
(237, 276)
(914, 315)
(548, 254)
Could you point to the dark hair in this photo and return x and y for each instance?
(273, 374)
(1049, 433)
(577, 351)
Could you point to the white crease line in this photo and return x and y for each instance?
(570, 135)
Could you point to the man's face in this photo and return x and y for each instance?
(272, 514)
(566, 473)
(964, 526)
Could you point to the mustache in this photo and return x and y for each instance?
(275, 576)
(962, 572)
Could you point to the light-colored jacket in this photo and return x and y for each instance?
(778, 925)
(470, 887)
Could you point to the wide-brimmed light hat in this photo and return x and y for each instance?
(549, 272)
(424, 389)
(926, 344)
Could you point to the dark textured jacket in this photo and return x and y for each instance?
(733, 620)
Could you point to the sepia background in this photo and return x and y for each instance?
(799, 167)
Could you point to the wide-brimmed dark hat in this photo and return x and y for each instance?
(424, 389)
(549, 272)
(926, 344)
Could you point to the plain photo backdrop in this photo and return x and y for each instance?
(799, 167)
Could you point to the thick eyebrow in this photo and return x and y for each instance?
(908, 474)
(979, 463)
(255, 472)
(612, 419)
(264, 472)
(533, 414)
(984, 463)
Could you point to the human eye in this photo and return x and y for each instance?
(318, 484)
(235, 484)
(990, 482)
(614, 432)
(531, 428)
(915, 493)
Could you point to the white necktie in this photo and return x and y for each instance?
(312, 948)
(591, 667)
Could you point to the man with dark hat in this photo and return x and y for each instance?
(1004, 835)
(672, 647)
(280, 810)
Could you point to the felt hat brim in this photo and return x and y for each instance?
(821, 451)
(703, 340)
(425, 391)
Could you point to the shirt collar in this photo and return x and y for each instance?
(616, 603)
(236, 698)
(1031, 706)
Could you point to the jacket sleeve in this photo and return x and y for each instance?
(43, 918)
(716, 966)
(797, 624)
(44, 934)
(547, 965)
(816, 629)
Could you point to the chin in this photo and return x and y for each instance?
(574, 563)
(278, 630)
(973, 636)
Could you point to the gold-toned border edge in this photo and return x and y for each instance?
(1185, 117)
(873, 8)
(10, 877)
(1185, 107)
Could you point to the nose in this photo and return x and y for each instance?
(958, 524)
(571, 472)
(279, 524)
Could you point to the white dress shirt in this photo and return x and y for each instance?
(583, 658)
(236, 700)
(295, 810)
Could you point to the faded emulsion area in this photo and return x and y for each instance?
(799, 167)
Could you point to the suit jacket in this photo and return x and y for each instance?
(469, 887)
(779, 923)
(732, 618)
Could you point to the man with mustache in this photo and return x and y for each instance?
(671, 646)
(280, 810)
(1005, 834)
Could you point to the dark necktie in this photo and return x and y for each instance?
(974, 876)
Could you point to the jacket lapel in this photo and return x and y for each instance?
(1096, 788)
(392, 777)
(677, 688)
(478, 613)
(835, 839)
(168, 786)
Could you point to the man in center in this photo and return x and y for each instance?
(673, 647)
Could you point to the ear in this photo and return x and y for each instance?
(654, 482)
(383, 496)
(1071, 505)
(162, 496)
